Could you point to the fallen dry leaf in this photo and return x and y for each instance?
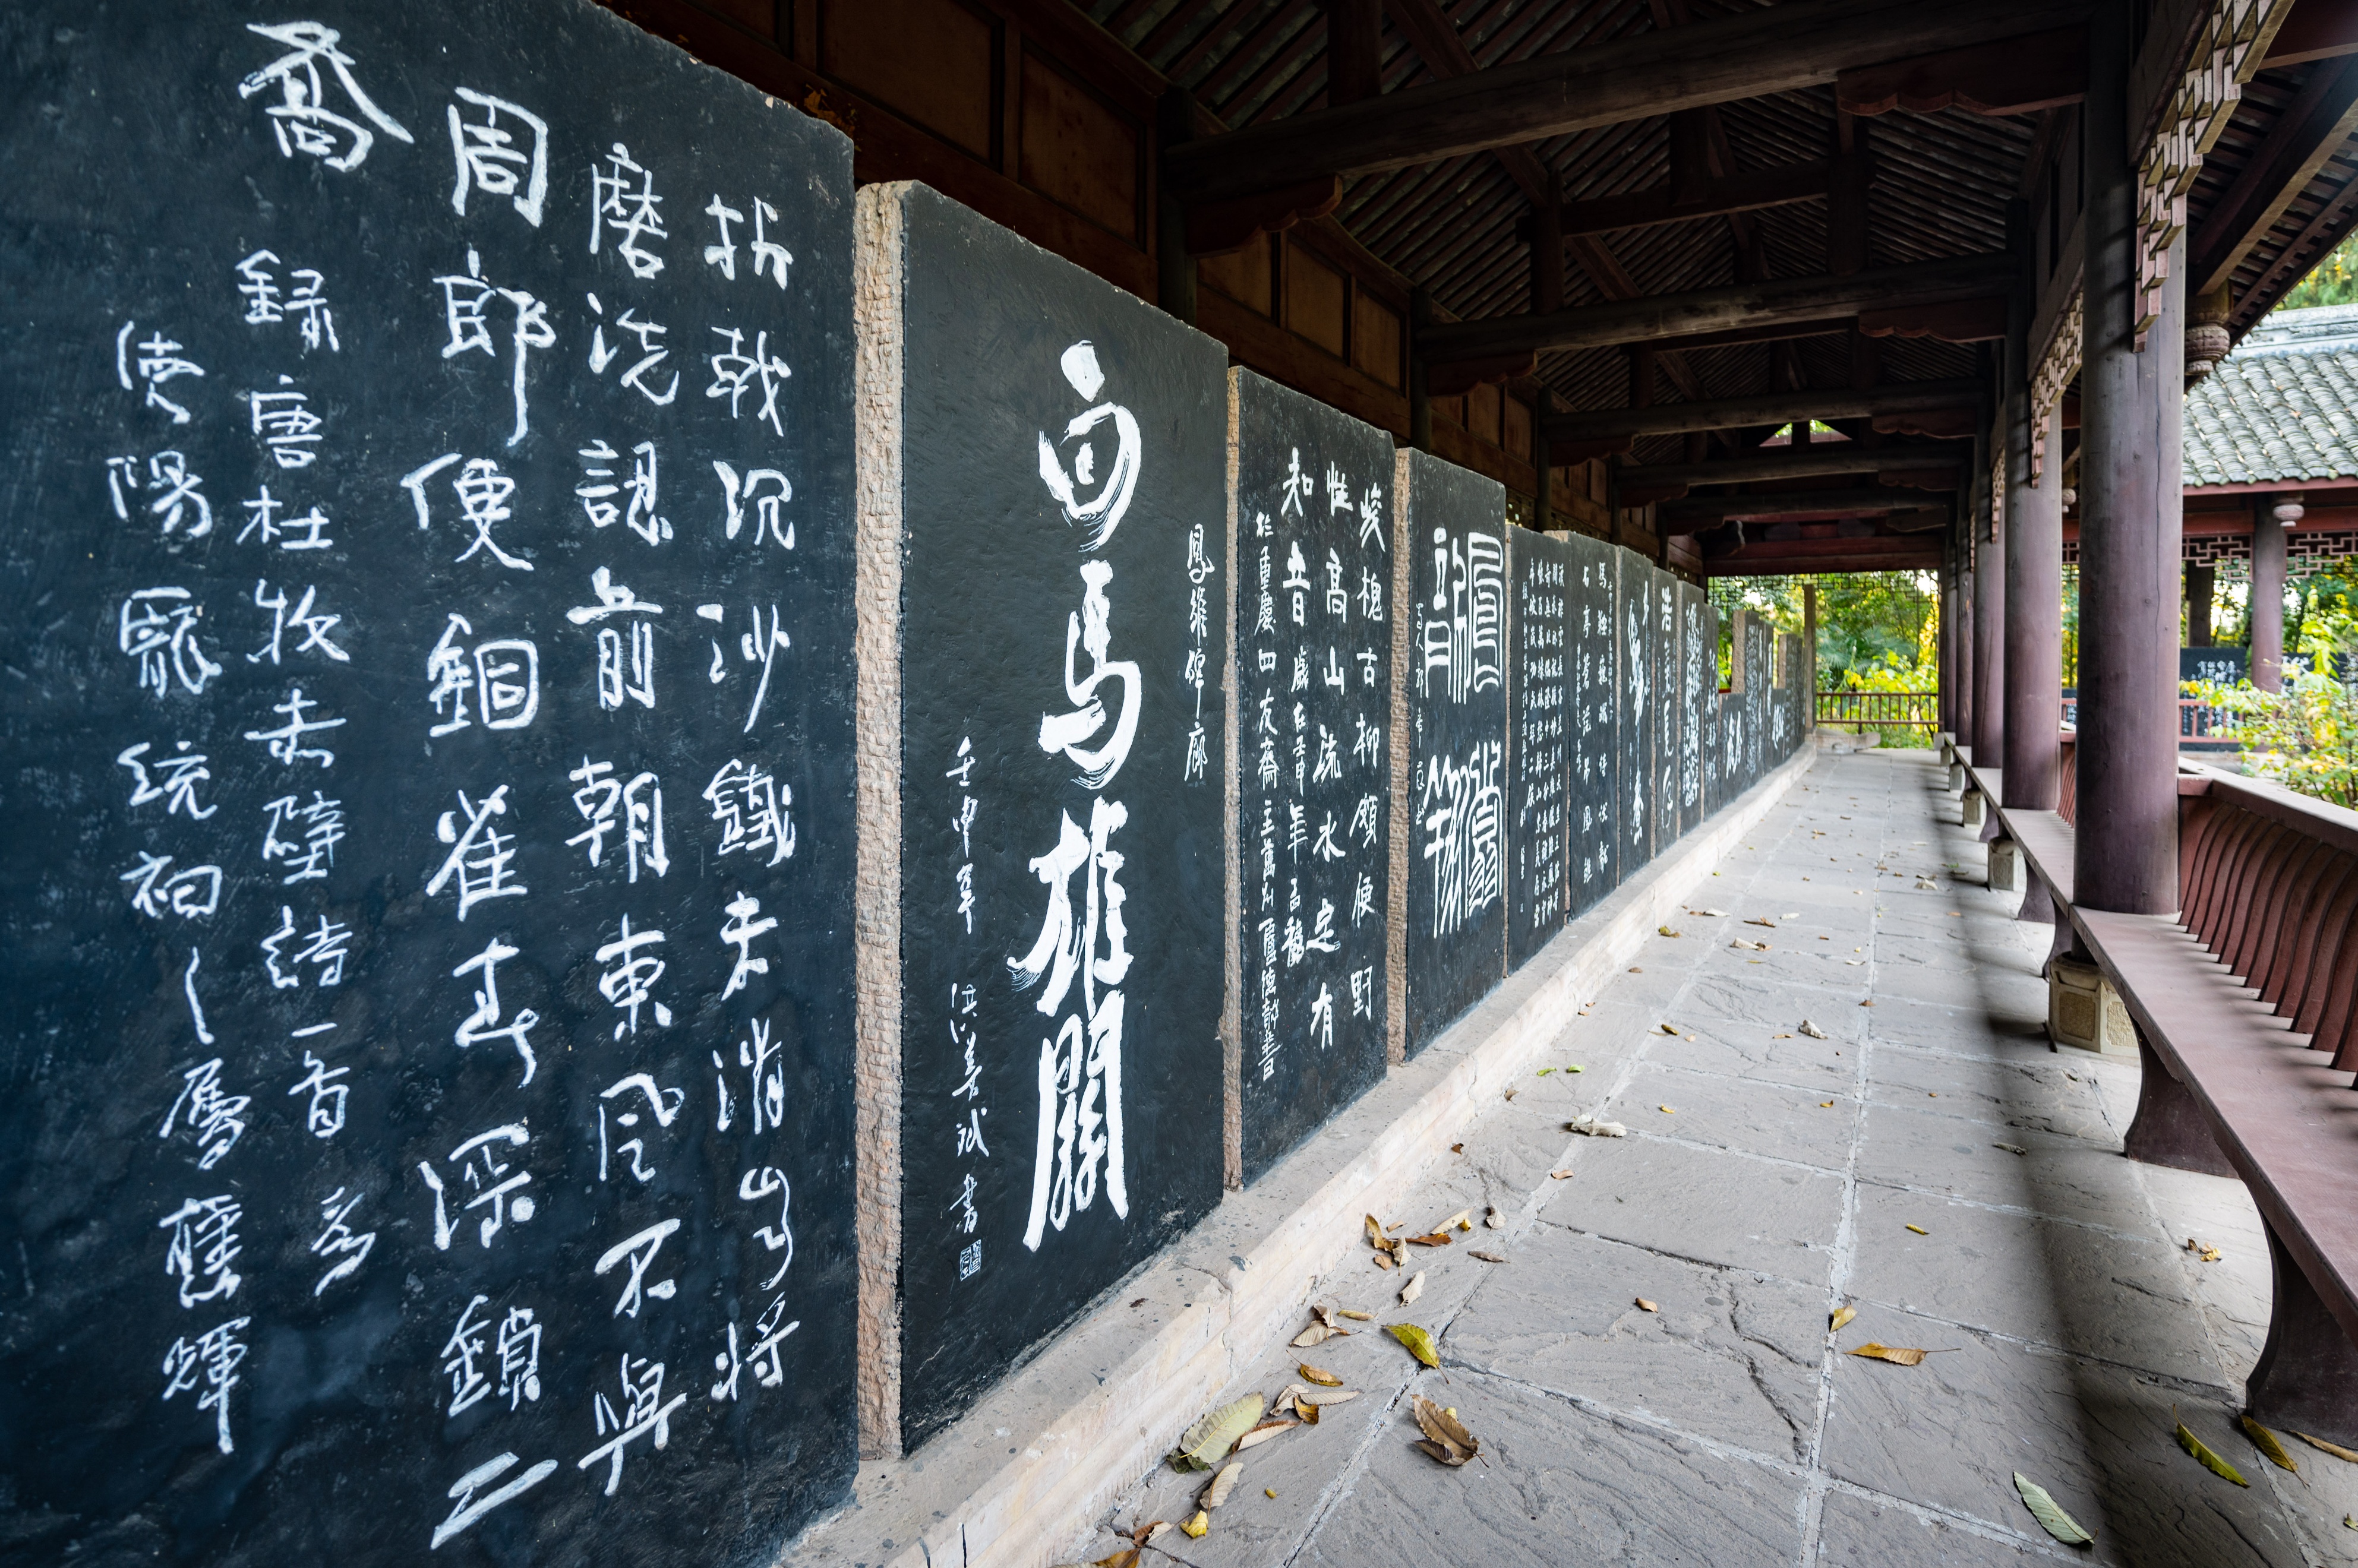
(1559, 1175)
(1419, 1343)
(1666, 1111)
(1384, 1261)
(1320, 1375)
(1268, 1491)
(1461, 1220)
(2011, 1148)
(1920, 1231)
(1445, 1437)
(1285, 1401)
(1316, 1334)
(1492, 1218)
(1438, 1238)
(1194, 1528)
(1900, 1354)
(1309, 1414)
(1126, 1558)
(2266, 1442)
(1486, 1256)
(1511, 1095)
(1645, 1305)
(1825, 1105)
(1145, 1533)
(1413, 1289)
(2324, 1447)
(2202, 1250)
(1668, 1028)
(1841, 1318)
(1709, 914)
(1749, 946)
(1355, 1316)
(2205, 1457)
(1665, 931)
(1757, 920)
(2050, 1517)
(1317, 1399)
(1209, 1440)
(1458, 1149)
(1222, 1485)
(1591, 1126)
(1263, 1432)
(1811, 1030)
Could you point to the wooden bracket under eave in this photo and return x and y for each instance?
(1948, 424)
(1217, 228)
(2005, 76)
(1457, 376)
(1571, 453)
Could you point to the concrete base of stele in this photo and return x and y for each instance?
(1038, 1460)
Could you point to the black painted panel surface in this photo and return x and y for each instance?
(1662, 634)
(1538, 757)
(1064, 495)
(1698, 679)
(1635, 721)
(1313, 674)
(1453, 526)
(427, 1123)
(1589, 807)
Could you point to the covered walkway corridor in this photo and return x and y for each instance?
(1933, 1163)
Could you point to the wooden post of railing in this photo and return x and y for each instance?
(2131, 402)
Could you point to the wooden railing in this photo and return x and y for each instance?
(1880, 709)
(2269, 881)
(2196, 719)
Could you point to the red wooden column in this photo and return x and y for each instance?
(1989, 632)
(2268, 589)
(2130, 410)
(1944, 665)
(2034, 614)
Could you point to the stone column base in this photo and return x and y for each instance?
(1956, 773)
(2084, 1012)
(1975, 804)
(2005, 864)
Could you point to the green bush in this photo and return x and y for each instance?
(2304, 737)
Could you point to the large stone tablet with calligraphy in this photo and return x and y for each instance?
(1048, 487)
(1539, 760)
(1635, 715)
(1454, 615)
(428, 536)
(1312, 507)
(1588, 811)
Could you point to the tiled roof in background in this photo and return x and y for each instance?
(2283, 407)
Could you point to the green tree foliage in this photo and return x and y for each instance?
(1877, 631)
(2334, 281)
(2304, 737)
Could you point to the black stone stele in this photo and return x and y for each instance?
(1539, 762)
(1637, 718)
(1313, 639)
(1662, 639)
(1592, 738)
(1453, 530)
(1065, 491)
(426, 1128)
(1698, 685)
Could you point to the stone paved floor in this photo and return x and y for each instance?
(1769, 1178)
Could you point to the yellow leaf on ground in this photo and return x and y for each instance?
(1844, 1316)
(1825, 1105)
(2209, 1461)
(1268, 1491)
(1123, 1559)
(1461, 1220)
(1263, 1432)
(1320, 1375)
(2266, 1442)
(1209, 1440)
(1920, 1231)
(1445, 1437)
(1355, 1316)
(1194, 1528)
(1645, 1305)
(1413, 1289)
(1666, 1111)
(1666, 931)
(1222, 1485)
(2324, 1447)
(1419, 1343)
(1900, 1354)
(1667, 1028)
(2054, 1519)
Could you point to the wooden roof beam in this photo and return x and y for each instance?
(2005, 76)
(1760, 304)
(1796, 45)
(2317, 29)
(1783, 408)
(1815, 462)
(2313, 126)
(1696, 516)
